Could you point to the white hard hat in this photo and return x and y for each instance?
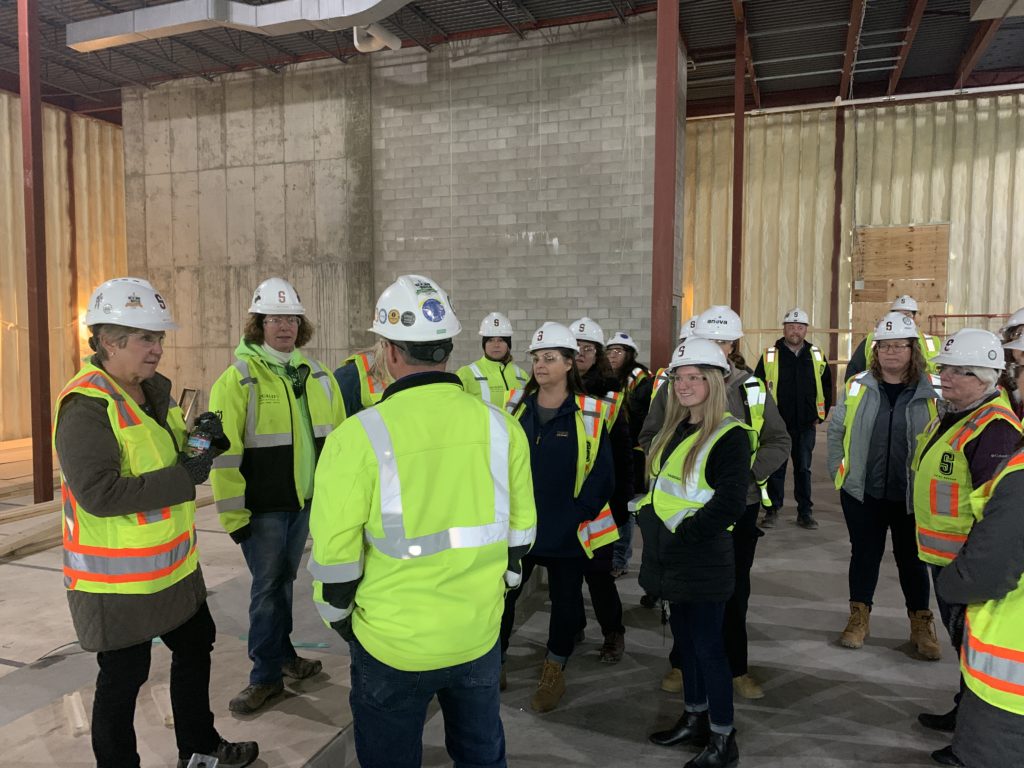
(895, 325)
(687, 330)
(1017, 318)
(553, 336)
(1017, 344)
(622, 339)
(131, 302)
(796, 315)
(276, 296)
(415, 308)
(972, 346)
(719, 323)
(496, 324)
(586, 329)
(699, 351)
(905, 303)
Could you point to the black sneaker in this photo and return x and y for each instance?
(807, 521)
(229, 754)
(648, 601)
(944, 722)
(770, 516)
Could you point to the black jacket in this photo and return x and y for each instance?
(796, 393)
(696, 563)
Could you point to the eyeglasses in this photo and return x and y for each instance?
(587, 349)
(281, 320)
(888, 346)
(955, 370)
(690, 378)
(549, 358)
(148, 339)
(616, 352)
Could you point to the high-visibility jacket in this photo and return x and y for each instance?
(490, 380)
(930, 347)
(771, 375)
(591, 417)
(675, 498)
(942, 482)
(421, 497)
(659, 381)
(371, 390)
(264, 469)
(637, 376)
(135, 554)
(992, 654)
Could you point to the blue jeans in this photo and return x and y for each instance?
(389, 708)
(273, 552)
(622, 550)
(699, 651)
(802, 447)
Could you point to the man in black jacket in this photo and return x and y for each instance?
(799, 379)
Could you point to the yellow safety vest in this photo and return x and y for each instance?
(260, 413)
(371, 390)
(659, 380)
(636, 377)
(992, 654)
(771, 375)
(591, 417)
(423, 506)
(942, 482)
(929, 345)
(490, 380)
(134, 554)
(755, 393)
(675, 498)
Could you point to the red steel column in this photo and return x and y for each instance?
(35, 248)
(738, 99)
(837, 240)
(665, 159)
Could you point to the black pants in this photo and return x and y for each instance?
(697, 629)
(122, 674)
(734, 627)
(604, 594)
(800, 452)
(946, 611)
(565, 590)
(867, 523)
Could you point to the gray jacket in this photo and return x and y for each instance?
(865, 436)
(773, 442)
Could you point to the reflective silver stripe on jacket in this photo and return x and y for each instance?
(690, 492)
(252, 440)
(228, 461)
(1002, 669)
(485, 387)
(514, 401)
(335, 574)
(322, 376)
(591, 414)
(939, 543)
(154, 515)
(395, 543)
(330, 614)
(144, 565)
(943, 494)
(231, 504)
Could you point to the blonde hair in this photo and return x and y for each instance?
(714, 412)
(376, 354)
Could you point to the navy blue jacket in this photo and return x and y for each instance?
(553, 461)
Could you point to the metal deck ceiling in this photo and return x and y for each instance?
(797, 46)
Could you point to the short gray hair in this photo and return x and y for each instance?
(117, 335)
(987, 376)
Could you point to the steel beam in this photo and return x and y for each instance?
(983, 37)
(35, 249)
(748, 57)
(914, 15)
(394, 20)
(739, 120)
(420, 14)
(837, 239)
(858, 8)
(618, 11)
(504, 17)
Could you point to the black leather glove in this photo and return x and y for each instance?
(955, 625)
(242, 534)
(210, 422)
(198, 467)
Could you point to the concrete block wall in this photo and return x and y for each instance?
(253, 175)
(519, 174)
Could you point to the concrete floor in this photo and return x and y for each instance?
(825, 707)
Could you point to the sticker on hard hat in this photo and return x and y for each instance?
(907, 322)
(160, 300)
(991, 354)
(433, 310)
(949, 343)
(99, 300)
(382, 316)
(408, 318)
(133, 301)
(393, 316)
(423, 287)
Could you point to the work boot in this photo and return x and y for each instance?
(550, 688)
(721, 752)
(255, 696)
(691, 728)
(502, 679)
(946, 756)
(771, 516)
(672, 682)
(856, 627)
(945, 722)
(230, 754)
(648, 601)
(613, 648)
(807, 521)
(300, 668)
(922, 634)
(747, 687)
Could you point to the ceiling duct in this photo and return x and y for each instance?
(995, 9)
(285, 17)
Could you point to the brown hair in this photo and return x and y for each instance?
(573, 380)
(253, 331)
(915, 368)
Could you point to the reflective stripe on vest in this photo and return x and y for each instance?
(612, 401)
(115, 565)
(598, 532)
(322, 376)
(485, 386)
(979, 419)
(126, 415)
(771, 375)
(394, 542)
(636, 377)
(369, 388)
(938, 543)
(993, 666)
(659, 380)
(253, 440)
(854, 394)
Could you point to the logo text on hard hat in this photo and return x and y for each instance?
(433, 310)
(133, 301)
(423, 287)
(160, 300)
(408, 319)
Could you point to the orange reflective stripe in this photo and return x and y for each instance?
(371, 383)
(944, 498)
(944, 545)
(994, 665)
(126, 415)
(981, 419)
(87, 549)
(153, 515)
(111, 565)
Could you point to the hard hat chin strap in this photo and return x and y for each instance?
(427, 352)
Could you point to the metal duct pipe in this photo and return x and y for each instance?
(280, 18)
(373, 37)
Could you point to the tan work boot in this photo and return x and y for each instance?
(747, 687)
(922, 634)
(857, 626)
(672, 682)
(550, 689)
(254, 696)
